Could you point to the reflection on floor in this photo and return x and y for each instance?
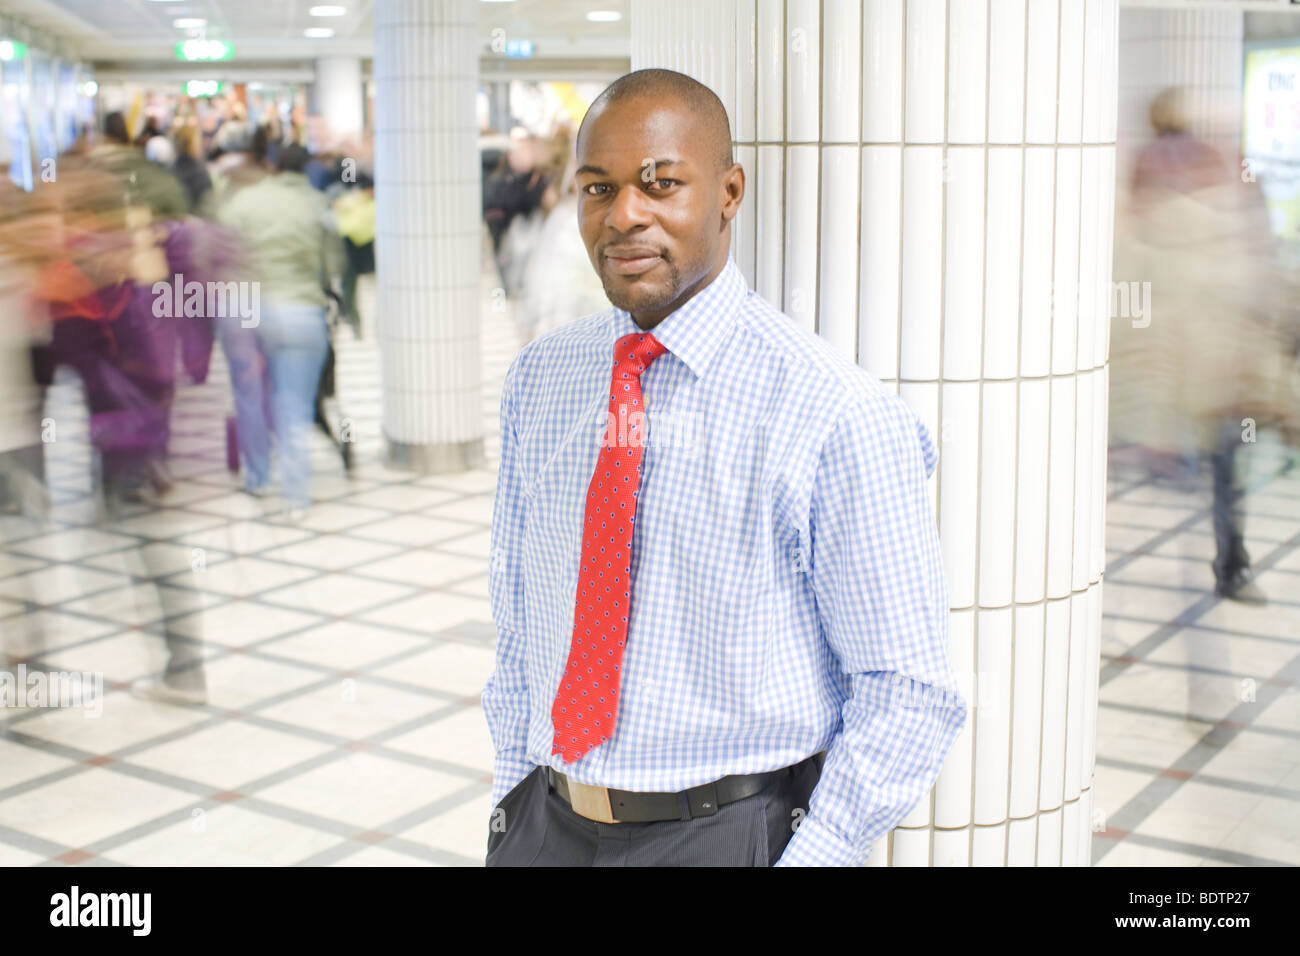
(1198, 736)
(345, 654)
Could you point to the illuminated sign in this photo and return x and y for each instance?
(204, 50)
(197, 88)
(1271, 133)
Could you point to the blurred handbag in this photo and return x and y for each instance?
(232, 445)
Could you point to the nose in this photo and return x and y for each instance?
(630, 209)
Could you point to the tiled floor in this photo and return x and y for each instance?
(1198, 740)
(345, 654)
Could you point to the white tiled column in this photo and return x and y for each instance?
(427, 242)
(931, 188)
(1199, 51)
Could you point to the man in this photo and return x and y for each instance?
(783, 597)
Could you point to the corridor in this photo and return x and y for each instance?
(345, 654)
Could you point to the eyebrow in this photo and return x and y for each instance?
(601, 171)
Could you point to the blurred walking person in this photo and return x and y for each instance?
(512, 196)
(236, 169)
(25, 236)
(1206, 367)
(558, 283)
(192, 171)
(295, 255)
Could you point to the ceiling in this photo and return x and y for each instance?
(140, 32)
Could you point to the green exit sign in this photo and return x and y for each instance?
(204, 50)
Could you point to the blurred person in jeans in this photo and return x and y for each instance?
(1208, 362)
(295, 255)
(237, 168)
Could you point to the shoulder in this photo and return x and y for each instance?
(808, 366)
(806, 358)
(246, 195)
(558, 350)
(846, 405)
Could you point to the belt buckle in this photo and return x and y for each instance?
(590, 802)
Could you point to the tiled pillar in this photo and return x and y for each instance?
(427, 241)
(1199, 51)
(930, 187)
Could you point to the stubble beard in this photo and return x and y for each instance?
(641, 298)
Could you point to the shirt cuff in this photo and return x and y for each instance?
(815, 844)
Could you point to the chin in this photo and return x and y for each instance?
(638, 296)
(640, 303)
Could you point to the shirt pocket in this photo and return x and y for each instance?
(567, 465)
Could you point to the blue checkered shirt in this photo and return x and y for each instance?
(788, 592)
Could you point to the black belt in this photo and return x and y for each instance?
(606, 805)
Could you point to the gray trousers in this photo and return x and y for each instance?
(533, 826)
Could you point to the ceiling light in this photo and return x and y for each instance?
(604, 16)
(327, 11)
(318, 33)
(189, 23)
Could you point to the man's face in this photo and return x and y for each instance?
(653, 207)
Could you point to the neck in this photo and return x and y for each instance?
(647, 320)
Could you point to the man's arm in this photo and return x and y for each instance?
(505, 696)
(877, 575)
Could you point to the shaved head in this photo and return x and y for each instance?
(658, 86)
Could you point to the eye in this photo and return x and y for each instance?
(590, 188)
(663, 183)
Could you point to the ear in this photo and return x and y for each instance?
(733, 191)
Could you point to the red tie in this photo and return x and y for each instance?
(586, 705)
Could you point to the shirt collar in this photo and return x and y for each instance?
(696, 331)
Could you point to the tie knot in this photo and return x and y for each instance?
(634, 353)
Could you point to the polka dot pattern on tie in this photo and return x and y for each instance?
(586, 704)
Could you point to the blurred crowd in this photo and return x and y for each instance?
(530, 210)
(130, 262)
(142, 252)
(1210, 366)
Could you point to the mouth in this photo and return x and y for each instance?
(632, 262)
